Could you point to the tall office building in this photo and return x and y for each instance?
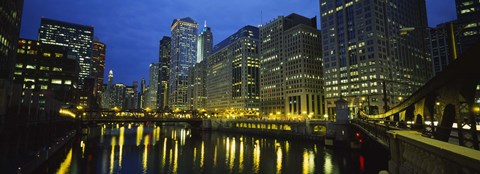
(232, 81)
(164, 71)
(142, 94)
(78, 38)
(151, 96)
(205, 43)
(183, 56)
(10, 20)
(443, 46)
(196, 86)
(365, 53)
(291, 68)
(468, 13)
(98, 64)
(45, 70)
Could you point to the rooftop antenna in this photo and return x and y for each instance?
(205, 25)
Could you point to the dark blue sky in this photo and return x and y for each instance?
(132, 28)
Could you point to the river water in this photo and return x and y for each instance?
(137, 148)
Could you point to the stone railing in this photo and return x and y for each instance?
(413, 153)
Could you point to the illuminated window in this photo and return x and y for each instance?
(56, 81)
(68, 82)
(18, 65)
(44, 68)
(31, 67)
(57, 69)
(46, 55)
(44, 87)
(58, 55)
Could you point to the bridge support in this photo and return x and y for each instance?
(340, 133)
(413, 153)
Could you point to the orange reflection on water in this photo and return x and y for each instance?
(112, 154)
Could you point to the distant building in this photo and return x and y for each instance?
(151, 95)
(78, 38)
(98, 64)
(10, 20)
(232, 81)
(118, 96)
(183, 56)
(46, 71)
(197, 86)
(205, 43)
(291, 74)
(164, 71)
(365, 52)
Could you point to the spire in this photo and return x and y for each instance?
(110, 74)
(205, 25)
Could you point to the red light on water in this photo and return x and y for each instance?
(362, 163)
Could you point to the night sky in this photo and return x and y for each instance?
(132, 28)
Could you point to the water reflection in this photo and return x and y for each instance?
(138, 148)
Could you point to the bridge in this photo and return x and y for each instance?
(435, 129)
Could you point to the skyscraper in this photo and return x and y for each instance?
(444, 48)
(45, 70)
(232, 80)
(205, 43)
(164, 71)
(291, 79)
(10, 20)
(151, 96)
(183, 56)
(98, 63)
(468, 13)
(365, 53)
(78, 38)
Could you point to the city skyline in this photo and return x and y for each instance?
(139, 26)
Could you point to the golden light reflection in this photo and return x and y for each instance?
(164, 157)
(240, 166)
(65, 165)
(327, 167)
(232, 154)
(112, 154)
(202, 154)
(215, 156)
(309, 161)
(82, 145)
(139, 134)
(175, 161)
(279, 159)
(121, 141)
(146, 143)
(102, 132)
(156, 134)
(256, 156)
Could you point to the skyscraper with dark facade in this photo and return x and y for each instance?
(46, 71)
(468, 14)
(98, 63)
(232, 80)
(363, 49)
(291, 79)
(78, 38)
(205, 43)
(444, 47)
(183, 56)
(164, 71)
(10, 20)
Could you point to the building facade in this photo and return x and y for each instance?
(98, 64)
(443, 46)
(10, 20)
(468, 12)
(183, 56)
(232, 81)
(46, 71)
(78, 38)
(366, 59)
(196, 86)
(164, 71)
(153, 87)
(205, 43)
(291, 68)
